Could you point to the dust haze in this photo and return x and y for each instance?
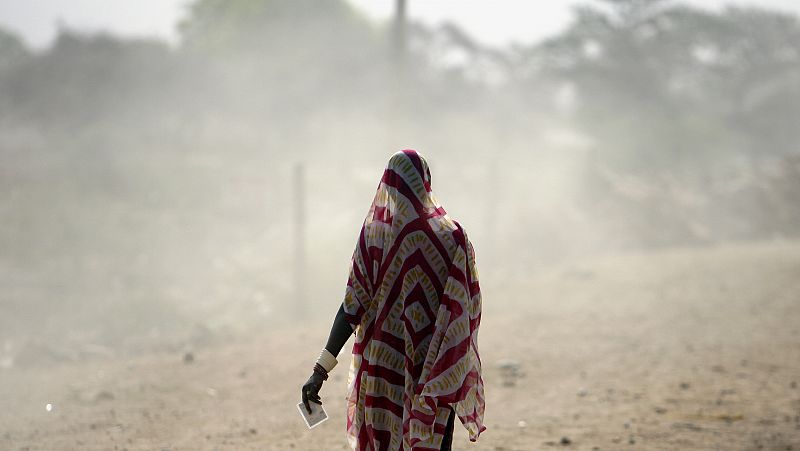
(178, 221)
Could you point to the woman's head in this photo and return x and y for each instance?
(403, 197)
(413, 169)
(404, 192)
(419, 163)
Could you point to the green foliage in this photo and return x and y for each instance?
(82, 78)
(646, 71)
(262, 25)
(283, 57)
(12, 50)
(659, 85)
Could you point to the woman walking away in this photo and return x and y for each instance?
(414, 303)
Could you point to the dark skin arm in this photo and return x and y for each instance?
(340, 333)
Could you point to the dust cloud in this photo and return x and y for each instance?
(162, 202)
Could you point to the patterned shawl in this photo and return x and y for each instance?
(414, 300)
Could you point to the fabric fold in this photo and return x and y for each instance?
(414, 300)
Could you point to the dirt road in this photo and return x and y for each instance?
(671, 350)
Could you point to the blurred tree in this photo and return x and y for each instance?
(82, 78)
(13, 56)
(12, 50)
(259, 25)
(671, 88)
(755, 57)
(673, 97)
(288, 56)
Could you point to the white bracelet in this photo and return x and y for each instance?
(327, 360)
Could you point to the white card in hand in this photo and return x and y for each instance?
(316, 416)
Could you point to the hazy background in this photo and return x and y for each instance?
(149, 187)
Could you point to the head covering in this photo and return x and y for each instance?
(414, 301)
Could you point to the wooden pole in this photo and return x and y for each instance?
(491, 212)
(400, 32)
(399, 91)
(301, 307)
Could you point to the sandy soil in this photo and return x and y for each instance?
(674, 350)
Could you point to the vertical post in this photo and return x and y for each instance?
(495, 184)
(491, 210)
(399, 70)
(299, 240)
(400, 32)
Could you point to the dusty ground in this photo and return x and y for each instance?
(680, 349)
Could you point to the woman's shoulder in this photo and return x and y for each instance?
(447, 224)
(459, 230)
(455, 230)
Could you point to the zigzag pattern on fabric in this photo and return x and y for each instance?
(414, 300)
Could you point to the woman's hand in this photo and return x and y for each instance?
(311, 390)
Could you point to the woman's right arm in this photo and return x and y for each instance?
(340, 333)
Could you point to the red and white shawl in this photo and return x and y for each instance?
(415, 303)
